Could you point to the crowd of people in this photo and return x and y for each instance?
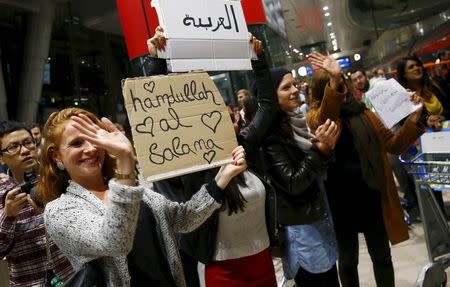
(313, 169)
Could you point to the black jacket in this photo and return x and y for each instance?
(200, 244)
(295, 175)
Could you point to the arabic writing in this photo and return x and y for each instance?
(188, 21)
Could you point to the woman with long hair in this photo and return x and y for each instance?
(236, 252)
(412, 75)
(360, 187)
(93, 200)
(296, 163)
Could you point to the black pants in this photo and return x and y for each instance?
(190, 269)
(304, 278)
(380, 253)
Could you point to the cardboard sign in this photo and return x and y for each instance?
(180, 124)
(208, 35)
(391, 102)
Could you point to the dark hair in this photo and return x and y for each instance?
(34, 125)
(234, 199)
(7, 127)
(401, 70)
(281, 122)
(354, 70)
(250, 108)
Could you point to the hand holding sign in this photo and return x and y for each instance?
(227, 172)
(392, 102)
(159, 41)
(208, 35)
(180, 124)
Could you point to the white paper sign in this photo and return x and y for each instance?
(391, 102)
(435, 142)
(208, 35)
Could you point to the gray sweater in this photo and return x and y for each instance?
(86, 229)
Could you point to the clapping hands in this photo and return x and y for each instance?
(327, 135)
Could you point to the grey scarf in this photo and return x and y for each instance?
(301, 135)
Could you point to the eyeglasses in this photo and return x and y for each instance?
(14, 148)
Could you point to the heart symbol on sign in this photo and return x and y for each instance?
(146, 127)
(211, 120)
(149, 87)
(209, 156)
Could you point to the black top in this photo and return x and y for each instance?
(354, 206)
(295, 176)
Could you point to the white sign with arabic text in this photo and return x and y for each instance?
(208, 35)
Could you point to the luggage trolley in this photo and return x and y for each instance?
(432, 171)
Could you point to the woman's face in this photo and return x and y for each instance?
(413, 72)
(287, 93)
(81, 159)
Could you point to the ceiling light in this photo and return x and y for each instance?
(329, 24)
(293, 73)
(327, 14)
(296, 51)
(302, 71)
(357, 57)
(325, 8)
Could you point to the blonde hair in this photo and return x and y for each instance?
(52, 181)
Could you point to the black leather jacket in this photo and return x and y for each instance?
(295, 175)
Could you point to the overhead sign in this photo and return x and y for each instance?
(208, 35)
(391, 102)
(180, 124)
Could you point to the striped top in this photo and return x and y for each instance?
(27, 260)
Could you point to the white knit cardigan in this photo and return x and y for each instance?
(86, 229)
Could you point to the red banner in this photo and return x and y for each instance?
(139, 21)
(254, 11)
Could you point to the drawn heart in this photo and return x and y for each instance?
(146, 127)
(149, 87)
(209, 156)
(211, 120)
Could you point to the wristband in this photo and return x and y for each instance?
(119, 176)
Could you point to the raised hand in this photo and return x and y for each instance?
(157, 42)
(228, 171)
(327, 63)
(111, 139)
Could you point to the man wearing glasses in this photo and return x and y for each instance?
(22, 234)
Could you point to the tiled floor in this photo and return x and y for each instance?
(408, 257)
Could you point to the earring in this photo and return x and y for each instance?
(60, 165)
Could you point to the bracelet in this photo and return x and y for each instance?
(119, 176)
